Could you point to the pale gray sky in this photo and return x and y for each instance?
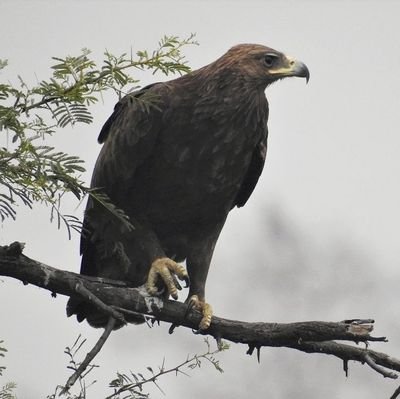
(319, 237)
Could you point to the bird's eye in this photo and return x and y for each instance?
(269, 60)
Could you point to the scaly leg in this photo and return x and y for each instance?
(198, 263)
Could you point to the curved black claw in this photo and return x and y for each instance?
(172, 328)
(190, 306)
(176, 282)
(186, 279)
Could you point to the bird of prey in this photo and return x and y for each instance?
(177, 156)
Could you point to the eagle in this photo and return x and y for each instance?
(177, 157)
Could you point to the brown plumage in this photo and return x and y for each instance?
(177, 157)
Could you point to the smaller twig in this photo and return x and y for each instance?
(131, 312)
(376, 360)
(90, 356)
(191, 362)
(396, 393)
(90, 297)
(379, 369)
(145, 318)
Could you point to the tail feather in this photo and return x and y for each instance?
(96, 318)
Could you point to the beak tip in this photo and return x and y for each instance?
(301, 70)
(305, 72)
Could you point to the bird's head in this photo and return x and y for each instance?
(262, 65)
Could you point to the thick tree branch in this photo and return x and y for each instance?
(115, 298)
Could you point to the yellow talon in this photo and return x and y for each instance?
(205, 309)
(165, 268)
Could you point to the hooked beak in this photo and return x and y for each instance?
(292, 67)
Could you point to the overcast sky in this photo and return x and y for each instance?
(319, 237)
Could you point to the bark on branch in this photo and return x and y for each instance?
(116, 299)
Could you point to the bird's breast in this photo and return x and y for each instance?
(195, 173)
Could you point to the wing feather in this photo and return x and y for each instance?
(128, 138)
(253, 173)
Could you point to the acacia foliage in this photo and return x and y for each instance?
(30, 170)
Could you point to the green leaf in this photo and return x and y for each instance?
(32, 173)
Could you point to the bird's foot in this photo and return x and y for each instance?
(168, 270)
(204, 308)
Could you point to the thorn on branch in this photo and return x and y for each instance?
(172, 328)
(346, 367)
(218, 339)
(154, 321)
(251, 349)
